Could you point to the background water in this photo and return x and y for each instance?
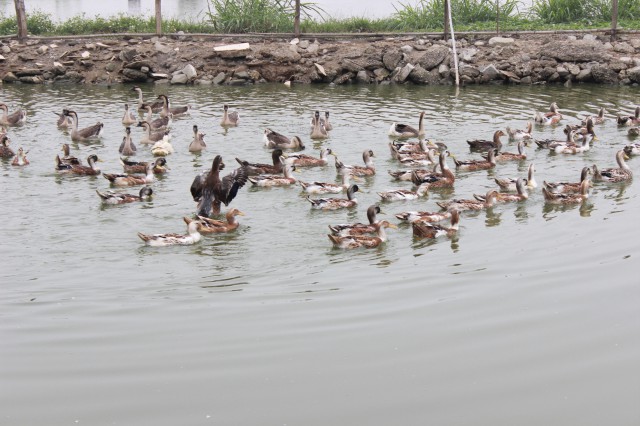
(185, 9)
(529, 316)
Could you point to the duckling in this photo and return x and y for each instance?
(254, 169)
(21, 158)
(150, 137)
(16, 118)
(64, 122)
(336, 203)
(230, 118)
(472, 165)
(486, 145)
(621, 173)
(68, 158)
(110, 197)
(358, 228)
(598, 119)
(562, 198)
(318, 131)
(157, 124)
(131, 180)
(568, 187)
(87, 133)
(551, 117)
(462, 204)
(161, 240)
(404, 194)
(398, 130)
(156, 106)
(423, 216)
(368, 169)
(511, 156)
(175, 111)
(129, 118)
(519, 134)
(211, 226)
(630, 120)
(127, 147)
(303, 160)
(210, 191)
(276, 140)
(5, 151)
(356, 241)
(509, 184)
(162, 148)
(424, 229)
(326, 187)
(197, 144)
(275, 180)
(78, 169)
(504, 197)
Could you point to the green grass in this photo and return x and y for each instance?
(250, 16)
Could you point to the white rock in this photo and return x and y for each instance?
(1, 58)
(321, 70)
(226, 47)
(179, 78)
(85, 54)
(404, 72)
(294, 41)
(190, 71)
(500, 41)
(43, 49)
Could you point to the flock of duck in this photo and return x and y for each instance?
(423, 163)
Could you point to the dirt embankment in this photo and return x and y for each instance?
(414, 59)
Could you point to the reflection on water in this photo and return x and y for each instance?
(510, 312)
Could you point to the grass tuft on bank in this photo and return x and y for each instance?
(277, 16)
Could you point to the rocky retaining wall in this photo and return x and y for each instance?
(191, 59)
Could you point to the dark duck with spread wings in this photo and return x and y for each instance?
(209, 190)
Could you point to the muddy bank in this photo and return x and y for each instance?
(415, 59)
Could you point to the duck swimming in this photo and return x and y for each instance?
(229, 118)
(304, 160)
(161, 240)
(78, 169)
(358, 228)
(551, 117)
(462, 204)
(212, 226)
(326, 187)
(254, 169)
(484, 164)
(423, 229)
(318, 131)
(156, 106)
(367, 170)
(159, 166)
(404, 194)
(131, 180)
(174, 111)
(197, 144)
(276, 140)
(21, 158)
(16, 118)
(335, 203)
(486, 145)
(5, 151)
(518, 134)
(88, 133)
(568, 187)
(356, 241)
(398, 130)
(275, 180)
(568, 198)
(110, 197)
(127, 147)
(509, 184)
(129, 118)
(621, 173)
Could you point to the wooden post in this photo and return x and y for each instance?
(453, 44)
(158, 17)
(22, 20)
(296, 20)
(614, 19)
(497, 16)
(447, 11)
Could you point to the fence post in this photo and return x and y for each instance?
(614, 19)
(447, 6)
(158, 17)
(498, 17)
(296, 20)
(22, 20)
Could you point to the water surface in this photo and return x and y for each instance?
(529, 316)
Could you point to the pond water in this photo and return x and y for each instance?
(529, 316)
